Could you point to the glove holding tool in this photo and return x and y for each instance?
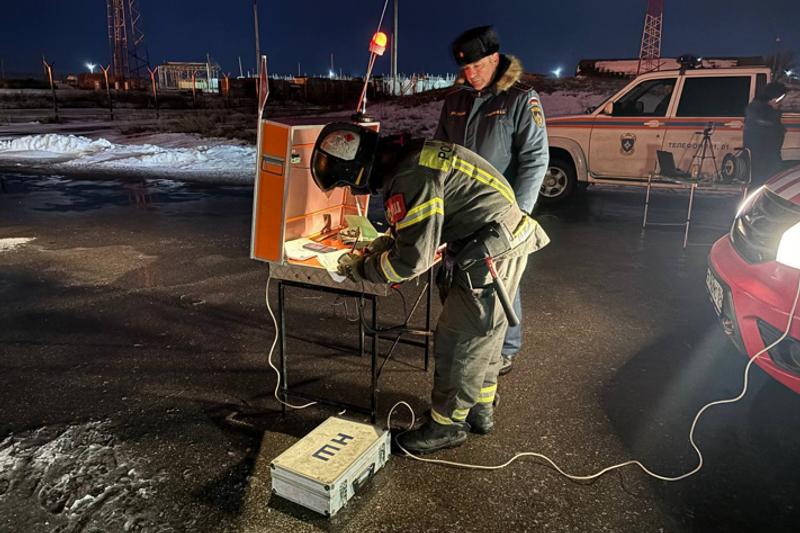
(352, 264)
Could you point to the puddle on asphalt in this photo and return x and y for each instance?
(68, 194)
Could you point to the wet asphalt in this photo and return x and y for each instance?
(137, 304)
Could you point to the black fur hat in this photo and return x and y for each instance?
(475, 44)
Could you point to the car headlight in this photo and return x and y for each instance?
(789, 247)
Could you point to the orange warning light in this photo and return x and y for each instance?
(378, 43)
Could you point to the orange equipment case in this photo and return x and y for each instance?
(287, 204)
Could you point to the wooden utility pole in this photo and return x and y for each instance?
(258, 45)
(108, 90)
(194, 89)
(208, 73)
(226, 88)
(154, 86)
(49, 69)
(394, 46)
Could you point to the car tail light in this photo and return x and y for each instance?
(787, 353)
(758, 228)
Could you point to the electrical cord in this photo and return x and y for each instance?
(363, 321)
(272, 350)
(620, 465)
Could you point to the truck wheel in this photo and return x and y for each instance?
(559, 182)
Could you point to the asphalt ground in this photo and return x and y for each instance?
(135, 322)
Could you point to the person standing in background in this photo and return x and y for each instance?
(494, 114)
(764, 132)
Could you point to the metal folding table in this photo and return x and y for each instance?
(316, 279)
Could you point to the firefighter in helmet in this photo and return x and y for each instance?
(438, 193)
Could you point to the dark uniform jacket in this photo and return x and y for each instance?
(441, 193)
(504, 124)
(763, 135)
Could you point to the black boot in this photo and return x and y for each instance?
(481, 418)
(431, 436)
(506, 365)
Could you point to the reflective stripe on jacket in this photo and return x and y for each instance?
(443, 194)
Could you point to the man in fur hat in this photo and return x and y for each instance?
(495, 115)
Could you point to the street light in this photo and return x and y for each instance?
(91, 67)
(557, 72)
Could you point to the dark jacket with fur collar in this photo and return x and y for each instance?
(504, 124)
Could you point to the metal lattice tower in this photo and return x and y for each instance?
(650, 51)
(126, 40)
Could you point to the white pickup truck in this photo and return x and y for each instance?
(666, 110)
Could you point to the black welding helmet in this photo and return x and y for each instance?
(343, 156)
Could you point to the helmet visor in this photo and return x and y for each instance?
(341, 144)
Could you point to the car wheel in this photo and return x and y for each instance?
(559, 182)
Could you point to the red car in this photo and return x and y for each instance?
(753, 276)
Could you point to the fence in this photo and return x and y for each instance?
(414, 84)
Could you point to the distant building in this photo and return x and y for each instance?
(92, 80)
(179, 75)
(628, 67)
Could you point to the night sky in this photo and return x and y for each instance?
(545, 35)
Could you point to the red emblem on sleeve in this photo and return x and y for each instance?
(395, 209)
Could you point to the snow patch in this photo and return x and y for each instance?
(6, 245)
(75, 478)
(75, 152)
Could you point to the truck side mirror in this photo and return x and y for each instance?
(608, 109)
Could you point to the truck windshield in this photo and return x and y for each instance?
(648, 99)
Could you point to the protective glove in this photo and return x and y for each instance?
(352, 266)
(380, 245)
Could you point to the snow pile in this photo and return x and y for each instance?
(72, 152)
(53, 144)
(78, 479)
(6, 245)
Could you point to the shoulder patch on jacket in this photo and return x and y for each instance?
(395, 208)
(536, 110)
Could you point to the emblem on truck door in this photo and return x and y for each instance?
(627, 143)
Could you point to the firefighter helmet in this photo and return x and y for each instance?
(343, 156)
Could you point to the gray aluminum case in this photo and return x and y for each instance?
(324, 469)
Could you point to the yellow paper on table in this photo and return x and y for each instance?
(367, 230)
(330, 262)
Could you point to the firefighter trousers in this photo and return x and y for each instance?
(469, 339)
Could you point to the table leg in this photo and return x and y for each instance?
(361, 330)
(647, 200)
(689, 215)
(374, 365)
(282, 344)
